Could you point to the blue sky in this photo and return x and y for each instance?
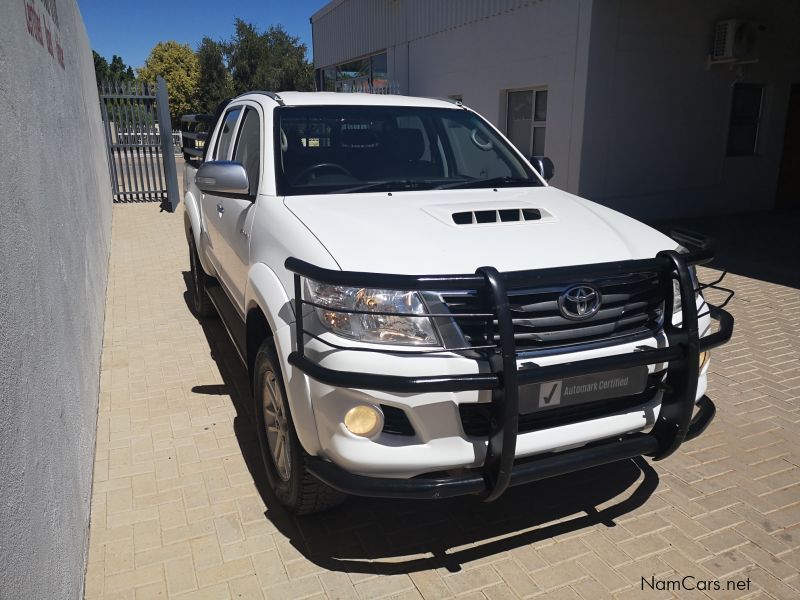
(131, 29)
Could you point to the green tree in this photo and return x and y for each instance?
(178, 65)
(117, 70)
(270, 60)
(215, 83)
(101, 70)
(291, 70)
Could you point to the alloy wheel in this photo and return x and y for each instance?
(276, 425)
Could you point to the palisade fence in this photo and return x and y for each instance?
(140, 159)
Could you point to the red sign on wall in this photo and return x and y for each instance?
(36, 21)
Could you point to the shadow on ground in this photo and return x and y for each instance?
(395, 536)
(763, 245)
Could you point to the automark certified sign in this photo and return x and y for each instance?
(581, 389)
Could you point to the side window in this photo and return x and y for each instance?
(226, 134)
(248, 147)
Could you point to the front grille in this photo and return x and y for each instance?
(475, 418)
(631, 305)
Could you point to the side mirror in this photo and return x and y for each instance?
(544, 166)
(223, 177)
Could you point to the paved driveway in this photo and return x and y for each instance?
(179, 505)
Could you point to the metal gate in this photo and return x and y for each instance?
(139, 144)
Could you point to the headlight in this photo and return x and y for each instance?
(676, 297)
(374, 328)
(676, 291)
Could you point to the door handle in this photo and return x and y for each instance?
(220, 208)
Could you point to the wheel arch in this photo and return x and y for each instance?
(269, 314)
(266, 300)
(191, 216)
(194, 228)
(257, 329)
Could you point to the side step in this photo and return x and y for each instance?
(234, 324)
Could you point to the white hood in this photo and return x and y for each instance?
(414, 233)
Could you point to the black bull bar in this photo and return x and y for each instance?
(677, 421)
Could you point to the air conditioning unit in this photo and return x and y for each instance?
(734, 39)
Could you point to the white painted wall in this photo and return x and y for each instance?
(534, 46)
(55, 227)
(656, 119)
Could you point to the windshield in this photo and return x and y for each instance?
(352, 149)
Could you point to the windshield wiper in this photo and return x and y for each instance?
(376, 186)
(490, 182)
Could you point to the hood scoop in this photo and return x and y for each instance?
(501, 215)
(479, 214)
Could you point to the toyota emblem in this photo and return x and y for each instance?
(579, 302)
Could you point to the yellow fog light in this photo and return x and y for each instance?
(703, 359)
(364, 420)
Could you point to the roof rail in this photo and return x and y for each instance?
(455, 101)
(272, 95)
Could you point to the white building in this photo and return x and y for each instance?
(623, 95)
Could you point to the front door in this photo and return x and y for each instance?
(214, 205)
(236, 222)
(788, 194)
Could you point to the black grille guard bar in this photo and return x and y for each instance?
(675, 423)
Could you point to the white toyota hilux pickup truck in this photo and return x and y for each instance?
(422, 315)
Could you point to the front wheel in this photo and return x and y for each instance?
(284, 457)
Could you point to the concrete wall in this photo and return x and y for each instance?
(656, 118)
(478, 50)
(54, 241)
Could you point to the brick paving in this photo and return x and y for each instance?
(179, 506)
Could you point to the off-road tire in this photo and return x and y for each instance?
(297, 489)
(198, 294)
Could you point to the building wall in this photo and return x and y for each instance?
(352, 28)
(656, 117)
(636, 119)
(537, 45)
(477, 49)
(54, 243)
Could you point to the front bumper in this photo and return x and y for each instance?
(501, 467)
(523, 471)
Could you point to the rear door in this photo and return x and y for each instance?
(236, 221)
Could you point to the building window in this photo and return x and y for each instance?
(328, 80)
(355, 75)
(746, 107)
(526, 120)
(379, 70)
